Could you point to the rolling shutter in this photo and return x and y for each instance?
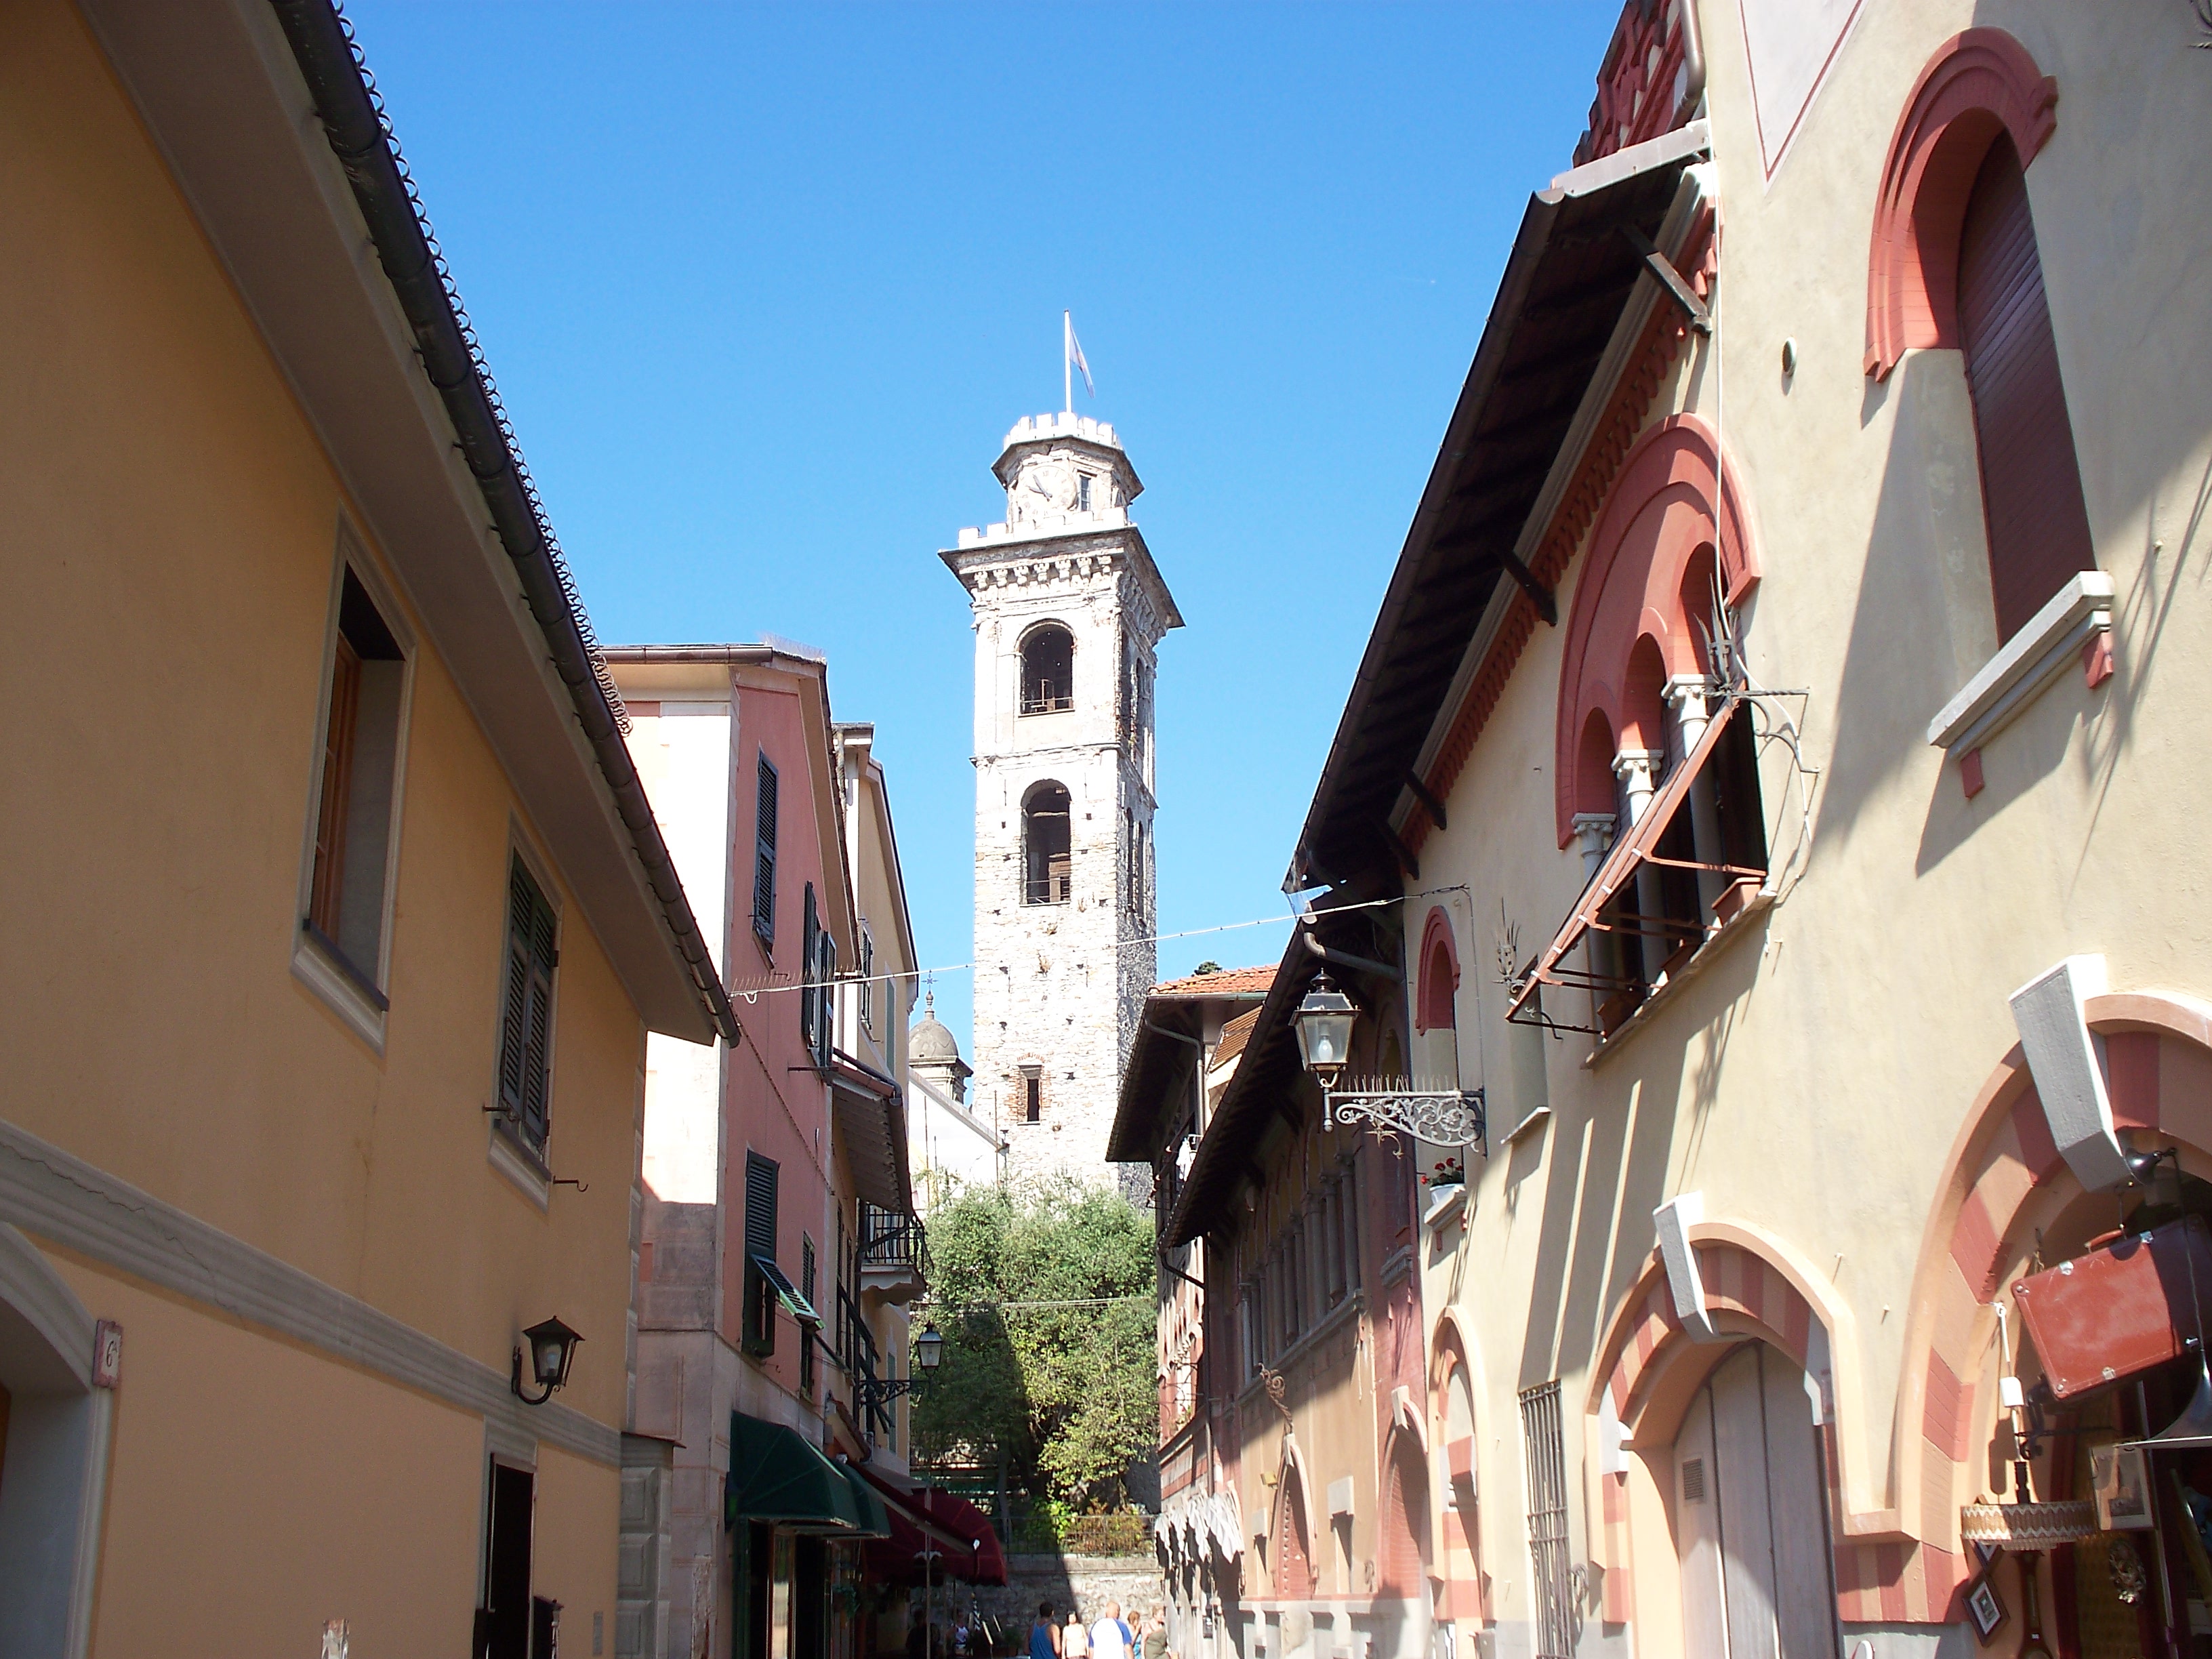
(2038, 528)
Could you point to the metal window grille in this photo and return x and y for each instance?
(1558, 1613)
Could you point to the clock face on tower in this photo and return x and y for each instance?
(1046, 486)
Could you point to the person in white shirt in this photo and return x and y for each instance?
(1109, 1638)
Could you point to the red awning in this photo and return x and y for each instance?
(1618, 873)
(987, 1564)
(925, 1539)
(908, 1553)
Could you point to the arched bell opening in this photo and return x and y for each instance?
(1048, 669)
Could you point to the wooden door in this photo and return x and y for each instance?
(1750, 1530)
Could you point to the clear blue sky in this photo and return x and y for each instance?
(764, 288)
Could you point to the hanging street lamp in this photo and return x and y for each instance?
(1452, 1117)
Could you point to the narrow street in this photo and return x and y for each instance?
(1597, 1045)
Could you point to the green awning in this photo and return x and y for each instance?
(778, 1478)
(875, 1519)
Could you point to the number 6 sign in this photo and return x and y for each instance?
(107, 1354)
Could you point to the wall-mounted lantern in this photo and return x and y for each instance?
(551, 1346)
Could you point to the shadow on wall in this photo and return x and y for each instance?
(1615, 1166)
(2139, 620)
(1924, 621)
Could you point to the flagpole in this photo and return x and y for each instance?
(1068, 362)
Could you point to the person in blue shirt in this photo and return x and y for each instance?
(1044, 1634)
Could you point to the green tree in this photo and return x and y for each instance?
(1065, 1395)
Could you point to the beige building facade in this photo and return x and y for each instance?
(1799, 628)
(333, 934)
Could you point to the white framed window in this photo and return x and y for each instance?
(349, 861)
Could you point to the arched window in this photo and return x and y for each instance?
(1048, 864)
(1955, 264)
(1439, 983)
(1406, 1551)
(2039, 527)
(1048, 669)
(1656, 771)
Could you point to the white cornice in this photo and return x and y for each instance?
(53, 1195)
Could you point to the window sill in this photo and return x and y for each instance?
(2025, 664)
(1537, 1114)
(320, 967)
(1757, 905)
(1446, 1204)
(518, 1164)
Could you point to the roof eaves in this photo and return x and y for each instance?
(360, 134)
(1627, 171)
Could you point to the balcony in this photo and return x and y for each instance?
(894, 1255)
(856, 1356)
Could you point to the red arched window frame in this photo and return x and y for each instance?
(1977, 84)
(1405, 1546)
(1434, 1009)
(1675, 514)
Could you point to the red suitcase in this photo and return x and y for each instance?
(2137, 1302)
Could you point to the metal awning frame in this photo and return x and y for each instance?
(1629, 854)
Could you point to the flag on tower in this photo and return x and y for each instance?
(1073, 361)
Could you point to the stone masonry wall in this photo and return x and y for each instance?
(1086, 1582)
(1060, 987)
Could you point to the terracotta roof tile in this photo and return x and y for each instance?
(1223, 982)
(1234, 1036)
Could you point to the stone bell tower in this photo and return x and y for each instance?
(1068, 608)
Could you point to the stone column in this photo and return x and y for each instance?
(1687, 693)
(1638, 771)
(1601, 951)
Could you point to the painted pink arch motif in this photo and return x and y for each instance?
(1675, 517)
(1977, 84)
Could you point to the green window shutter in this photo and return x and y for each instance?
(526, 1045)
(810, 1013)
(764, 810)
(760, 1298)
(806, 1293)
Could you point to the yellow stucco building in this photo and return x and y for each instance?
(334, 919)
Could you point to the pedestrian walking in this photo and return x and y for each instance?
(1156, 1635)
(1109, 1638)
(1074, 1641)
(1044, 1634)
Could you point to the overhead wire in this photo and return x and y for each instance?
(780, 983)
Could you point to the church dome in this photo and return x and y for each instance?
(930, 1043)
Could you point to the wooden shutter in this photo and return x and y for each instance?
(806, 1292)
(809, 993)
(526, 1045)
(2038, 528)
(825, 998)
(764, 807)
(759, 1323)
(326, 891)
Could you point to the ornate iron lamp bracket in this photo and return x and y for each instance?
(1453, 1118)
